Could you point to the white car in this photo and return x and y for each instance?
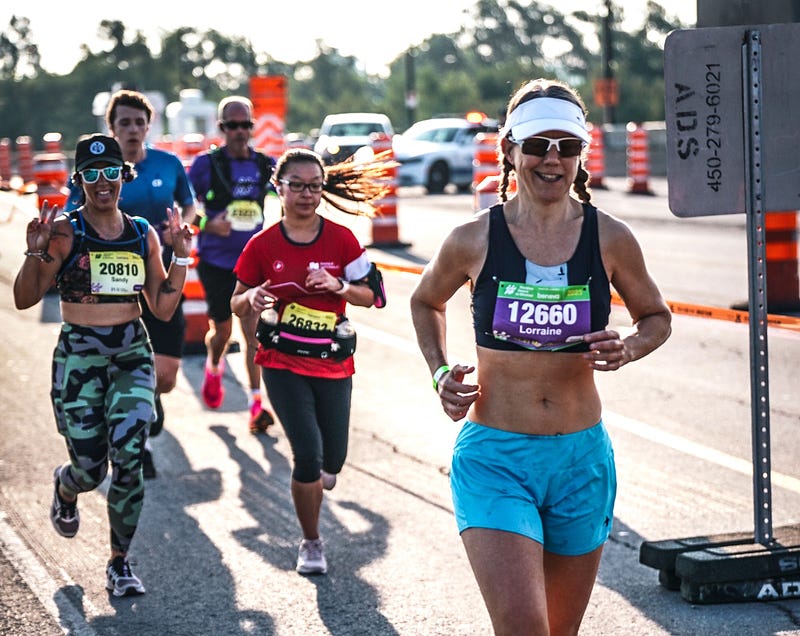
(436, 152)
(341, 135)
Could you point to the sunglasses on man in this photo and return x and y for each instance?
(233, 125)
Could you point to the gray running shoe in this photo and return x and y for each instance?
(328, 480)
(120, 579)
(63, 514)
(311, 558)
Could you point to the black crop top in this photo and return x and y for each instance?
(504, 262)
(100, 271)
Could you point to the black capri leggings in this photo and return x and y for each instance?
(315, 414)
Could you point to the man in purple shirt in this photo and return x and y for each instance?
(231, 183)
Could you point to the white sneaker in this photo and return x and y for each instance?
(310, 557)
(120, 579)
(328, 480)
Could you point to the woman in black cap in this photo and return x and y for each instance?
(103, 375)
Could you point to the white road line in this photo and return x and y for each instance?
(688, 447)
(46, 589)
(635, 427)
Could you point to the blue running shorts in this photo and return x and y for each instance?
(558, 490)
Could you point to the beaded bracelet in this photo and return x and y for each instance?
(42, 255)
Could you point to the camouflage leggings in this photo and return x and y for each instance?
(103, 399)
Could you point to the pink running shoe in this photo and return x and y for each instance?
(212, 390)
(260, 418)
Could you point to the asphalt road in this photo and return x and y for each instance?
(217, 541)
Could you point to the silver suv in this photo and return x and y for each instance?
(342, 134)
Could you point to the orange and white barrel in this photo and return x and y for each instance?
(52, 142)
(385, 229)
(195, 307)
(595, 159)
(191, 145)
(5, 159)
(50, 174)
(484, 162)
(24, 146)
(487, 192)
(638, 160)
(783, 286)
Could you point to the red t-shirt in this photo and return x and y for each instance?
(270, 255)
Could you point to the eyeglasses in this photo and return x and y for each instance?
(299, 186)
(540, 146)
(111, 173)
(233, 125)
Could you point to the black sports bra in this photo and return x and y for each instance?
(100, 271)
(504, 262)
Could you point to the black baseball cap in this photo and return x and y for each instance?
(96, 148)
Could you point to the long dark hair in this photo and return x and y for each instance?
(348, 186)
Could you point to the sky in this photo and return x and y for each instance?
(373, 31)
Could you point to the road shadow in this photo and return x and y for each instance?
(346, 603)
(236, 395)
(189, 587)
(638, 584)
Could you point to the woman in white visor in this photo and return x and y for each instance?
(533, 475)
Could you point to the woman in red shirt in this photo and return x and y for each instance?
(299, 274)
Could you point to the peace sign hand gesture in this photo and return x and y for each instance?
(180, 234)
(40, 229)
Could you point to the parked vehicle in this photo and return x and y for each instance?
(437, 152)
(342, 134)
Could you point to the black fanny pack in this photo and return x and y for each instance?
(338, 344)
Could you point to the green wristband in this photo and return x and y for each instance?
(438, 374)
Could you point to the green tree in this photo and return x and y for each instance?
(502, 44)
(19, 56)
(638, 63)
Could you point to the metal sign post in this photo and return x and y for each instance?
(731, 141)
(757, 297)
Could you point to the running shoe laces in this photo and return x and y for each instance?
(260, 418)
(63, 514)
(120, 579)
(328, 480)
(311, 558)
(212, 390)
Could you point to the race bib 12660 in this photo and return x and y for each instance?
(541, 318)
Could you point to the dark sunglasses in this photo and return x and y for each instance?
(111, 173)
(233, 125)
(540, 146)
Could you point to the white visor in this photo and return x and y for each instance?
(546, 113)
